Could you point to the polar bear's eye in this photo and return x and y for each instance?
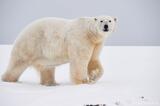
(109, 20)
(101, 21)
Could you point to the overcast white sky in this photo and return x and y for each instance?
(138, 20)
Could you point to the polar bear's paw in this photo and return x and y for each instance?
(94, 75)
(49, 83)
(80, 81)
(9, 78)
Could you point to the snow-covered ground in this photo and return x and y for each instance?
(131, 78)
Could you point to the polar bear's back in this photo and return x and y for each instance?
(45, 24)
(38, 35)
(50, 22)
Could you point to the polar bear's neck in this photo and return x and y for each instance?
(95, 37)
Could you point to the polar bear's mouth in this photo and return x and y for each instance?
(105, 28)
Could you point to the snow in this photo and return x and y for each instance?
(131, 78)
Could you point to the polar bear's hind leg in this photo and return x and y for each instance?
(47, 75)
(14, 70)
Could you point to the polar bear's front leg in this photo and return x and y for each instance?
(78, 72)
(79, 56)
(95, 70)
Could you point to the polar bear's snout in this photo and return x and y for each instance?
(105, 28)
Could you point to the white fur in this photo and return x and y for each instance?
(49, 42)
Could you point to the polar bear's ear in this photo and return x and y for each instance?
(115, 19)
(95, 19)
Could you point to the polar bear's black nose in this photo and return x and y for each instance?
(105, 27)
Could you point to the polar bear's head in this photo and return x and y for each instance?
(105, 24)
(100, 25)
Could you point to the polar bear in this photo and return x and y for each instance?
(49, 42)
